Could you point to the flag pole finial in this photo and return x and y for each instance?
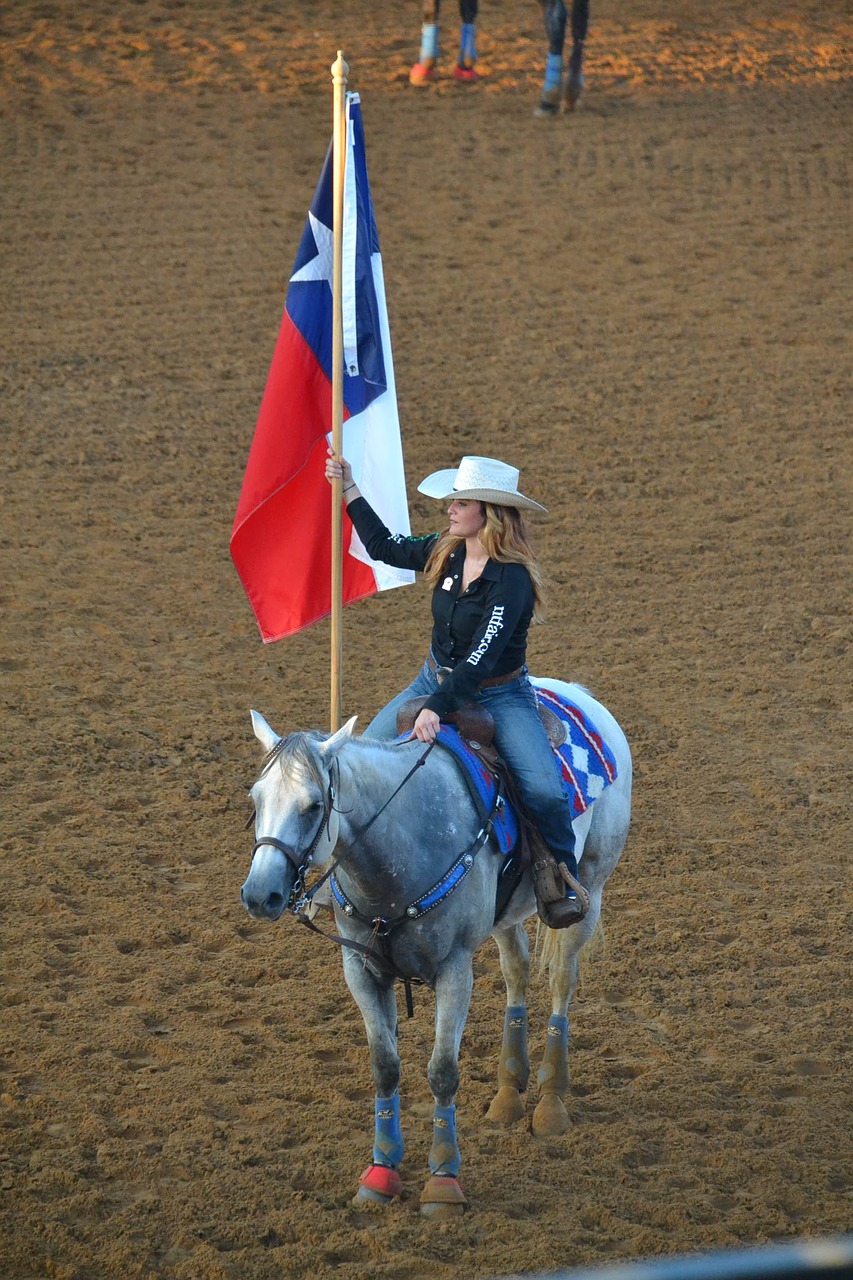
(340, 70)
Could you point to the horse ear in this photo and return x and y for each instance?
(264, 734)
(330, 748)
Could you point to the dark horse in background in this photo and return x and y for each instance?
(562, 84)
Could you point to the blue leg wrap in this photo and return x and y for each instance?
(514, 1068)
(388, 1138)
(429, 41)
(554, 1072)
(444, 1156)
(553, 71)
(468, 42)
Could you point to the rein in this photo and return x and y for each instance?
(382, 927)
(298, 907)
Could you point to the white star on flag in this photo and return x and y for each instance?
(319, 268)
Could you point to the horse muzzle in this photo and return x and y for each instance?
(262, 904)
(275, 873)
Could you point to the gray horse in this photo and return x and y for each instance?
(415, 877)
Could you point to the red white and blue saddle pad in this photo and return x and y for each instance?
(586, 761)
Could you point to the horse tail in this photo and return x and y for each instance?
(549, 949)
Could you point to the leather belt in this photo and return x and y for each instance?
(484, 684)
(510, 675)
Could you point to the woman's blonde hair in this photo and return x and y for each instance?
(505, 538)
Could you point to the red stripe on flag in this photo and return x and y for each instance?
(281, 542)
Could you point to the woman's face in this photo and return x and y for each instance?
(466, 517)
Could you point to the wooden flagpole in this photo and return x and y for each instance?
(340, 72)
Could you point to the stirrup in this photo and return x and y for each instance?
(560, 915)
(551, 879)
(576, 887)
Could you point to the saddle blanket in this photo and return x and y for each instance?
(586, 762)
(587, 766)
(483, 786)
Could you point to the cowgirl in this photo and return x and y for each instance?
(486, 592)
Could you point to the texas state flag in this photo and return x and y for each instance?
(281, 542)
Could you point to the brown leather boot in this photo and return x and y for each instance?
(552, 882)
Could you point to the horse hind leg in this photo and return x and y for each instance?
(550, 1117)
(507, 1106)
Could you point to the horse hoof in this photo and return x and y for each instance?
(443, 1198)
(550, 1118)
(574, 89)
(507, 1106)
(378, 1185)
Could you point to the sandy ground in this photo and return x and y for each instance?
(645, 305)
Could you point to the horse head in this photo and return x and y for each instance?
(296, 820)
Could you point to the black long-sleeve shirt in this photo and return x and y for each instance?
(479, 633)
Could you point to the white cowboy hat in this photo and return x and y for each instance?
(481, 479)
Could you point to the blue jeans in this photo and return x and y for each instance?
(521, 740)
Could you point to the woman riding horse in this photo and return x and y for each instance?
(486, 591)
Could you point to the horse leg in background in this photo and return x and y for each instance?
(466, 63)
(424, 70)
(553, 89)
(574, 77)
(442, 1197)
(380, 1183)
(560, 955)
(514, 1067)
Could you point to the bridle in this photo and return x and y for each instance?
(300, 898)
(299, 863)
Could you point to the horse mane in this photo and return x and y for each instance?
(295, 753)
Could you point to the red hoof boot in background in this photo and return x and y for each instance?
(466, 72)
(423, 72)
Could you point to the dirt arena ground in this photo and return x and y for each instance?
(647, 307)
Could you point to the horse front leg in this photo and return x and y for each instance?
(562, 949)
(442, 1197)
(514, 1067)
(380, 1183)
